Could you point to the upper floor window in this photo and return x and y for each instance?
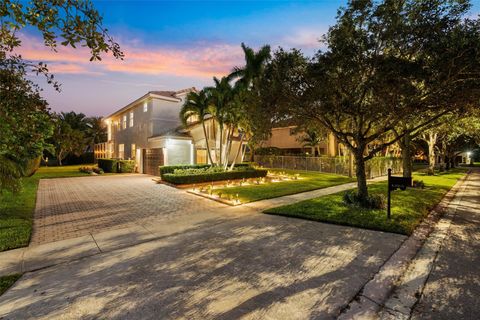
(125, 122)
(117, 123)
(145, 106)
(109, 131)
(131, 119)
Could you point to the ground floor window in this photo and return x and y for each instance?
(201, 156)
(121, 151)
(133, 151)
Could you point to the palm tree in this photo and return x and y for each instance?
(198, 104)
(254, 66)
(96, 131)
(311, 139)
(222, 97)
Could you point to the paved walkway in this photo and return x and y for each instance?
(280, 201)
(453, 287)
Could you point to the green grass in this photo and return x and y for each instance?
(308, 181)
(7, 281)
(408, 207)
(16, 210)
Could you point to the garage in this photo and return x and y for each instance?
(152, 159)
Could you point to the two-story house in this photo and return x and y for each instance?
(149, 131)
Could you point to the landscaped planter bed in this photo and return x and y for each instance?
(179, 175)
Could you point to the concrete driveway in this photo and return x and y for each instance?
(213, 262)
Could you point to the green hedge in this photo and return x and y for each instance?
(126, 166)
(117, 166)
(214, 176)
(171, 169)
(108, 165)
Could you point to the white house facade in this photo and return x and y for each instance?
(149, 131)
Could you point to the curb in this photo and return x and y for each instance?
(371, 298)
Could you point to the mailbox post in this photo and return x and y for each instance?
(395, 183)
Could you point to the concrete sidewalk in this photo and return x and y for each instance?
(453, 287)
(281, 201)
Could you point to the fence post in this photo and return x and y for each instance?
(335, 164)
(283, 162)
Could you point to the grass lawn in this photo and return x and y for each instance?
(16, 210)
(308, 181)
(7, 281)
(408, 207)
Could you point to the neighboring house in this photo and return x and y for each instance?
(290, 141)
(149, 131)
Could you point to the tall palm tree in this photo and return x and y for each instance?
(222, 97)
(198, 104)
(254, 65)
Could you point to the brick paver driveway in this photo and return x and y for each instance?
(72, 207)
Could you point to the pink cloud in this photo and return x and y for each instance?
(201, 60)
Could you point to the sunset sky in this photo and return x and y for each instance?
(175, 45)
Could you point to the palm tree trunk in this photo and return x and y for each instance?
(219, 160)
(229, 148)
(237, 153)
(206, 142)
(228, 140)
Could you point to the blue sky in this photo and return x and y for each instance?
(174, 45)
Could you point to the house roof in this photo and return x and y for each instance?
(163, 95)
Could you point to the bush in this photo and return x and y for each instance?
(108, 165)
(31, 166)
(91, 170)
(418, 184)
(126, 166)
(375, 201)
(210, 174)
(172, 169)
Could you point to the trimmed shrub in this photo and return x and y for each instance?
(186, 177)
(108, 165)
(418, 184)
(171, 169)
(374, 201)
(126, 166)
(91, 170)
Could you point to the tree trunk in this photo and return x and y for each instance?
(59, 158)
(252, 152)
(432, 140)
(407, 165)
(313, 151)
(237, 154)
(361, 176)
(207, 144)
(219, 160)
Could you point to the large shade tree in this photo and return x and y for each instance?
(380, 68)
(61, 22)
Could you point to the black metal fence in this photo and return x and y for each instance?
(375, 167)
